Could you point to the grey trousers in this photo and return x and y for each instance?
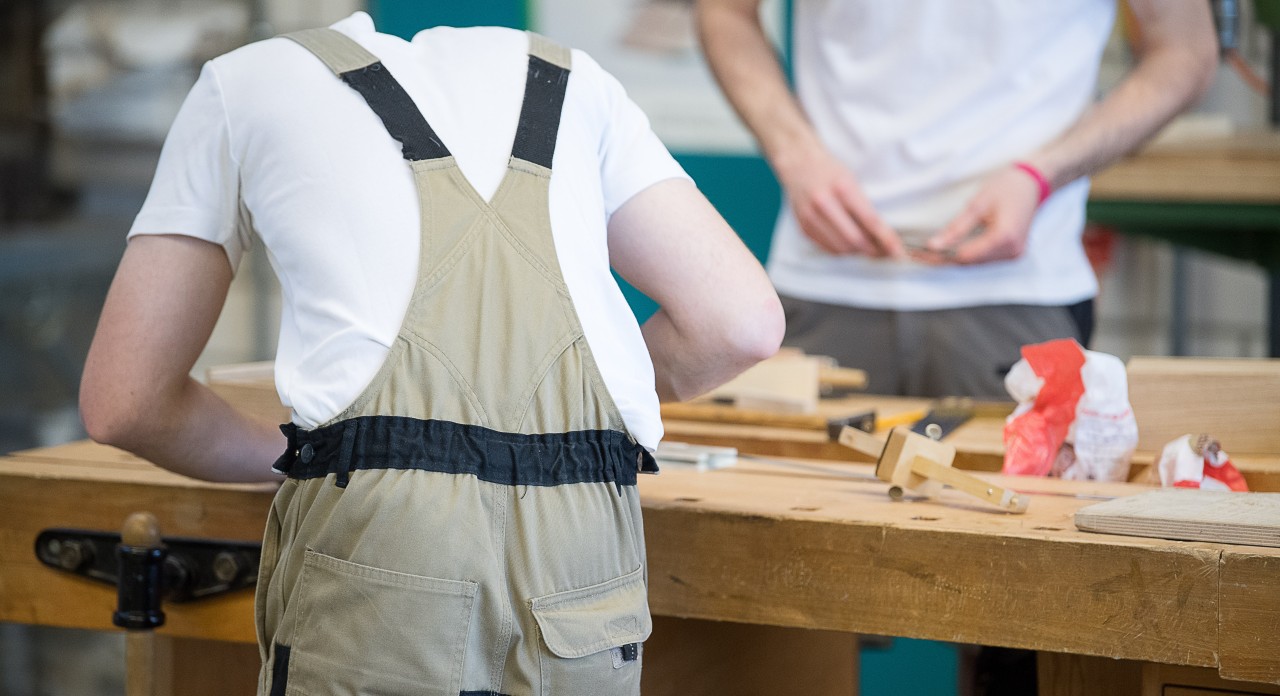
(949, 352)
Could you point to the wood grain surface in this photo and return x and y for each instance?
(803, 544)
(1193, 515)
(1242, 168)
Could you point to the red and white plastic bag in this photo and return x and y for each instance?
(1198, 462)
(1073, 418)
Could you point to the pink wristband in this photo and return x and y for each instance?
(1041, 182)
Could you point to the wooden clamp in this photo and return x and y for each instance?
(909, 461)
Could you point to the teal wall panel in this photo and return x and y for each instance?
(404, 18)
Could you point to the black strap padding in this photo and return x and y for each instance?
(514, 459)
(544, 89)
(418, 141)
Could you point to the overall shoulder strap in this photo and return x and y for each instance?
(367, 75)
(544, 89)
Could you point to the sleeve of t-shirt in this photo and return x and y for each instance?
(196, 189)
(632, 158)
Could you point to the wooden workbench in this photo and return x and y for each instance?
(788, 543)
(1239, 168)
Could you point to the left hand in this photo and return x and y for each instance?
(1001, 211)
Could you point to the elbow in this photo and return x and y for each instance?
(757, 334)
(767, 331)
(1200, 67)
(1206, 64)
(108, 419)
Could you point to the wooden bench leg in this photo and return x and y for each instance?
(691, 657)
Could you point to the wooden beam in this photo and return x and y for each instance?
(1249, 615)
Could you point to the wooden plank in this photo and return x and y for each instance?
(1249, 609)
(1243, 168)
(689, 657)
(1058, 674)
(785, 383)
(1236, 401)
(841, 556)
(1194, 515)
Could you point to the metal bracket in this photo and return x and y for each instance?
(193, 568)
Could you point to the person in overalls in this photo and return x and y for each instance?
(472, 399)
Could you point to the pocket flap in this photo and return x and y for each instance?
(580, 622)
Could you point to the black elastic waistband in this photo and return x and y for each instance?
(396, 442)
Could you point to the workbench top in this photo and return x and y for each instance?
(799, 543)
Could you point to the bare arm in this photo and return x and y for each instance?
(718, 312)
(1175, 66)
(137, 393)
(824, 194)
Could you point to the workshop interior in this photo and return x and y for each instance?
(88, 89)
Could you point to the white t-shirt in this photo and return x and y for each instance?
(923, 99)
(270, 142)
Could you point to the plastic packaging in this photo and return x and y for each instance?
(1073, 418)
(1198, 462)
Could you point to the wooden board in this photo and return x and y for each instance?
(1236, 401)
(785, 383)
(1193, 515)
(1243, 168)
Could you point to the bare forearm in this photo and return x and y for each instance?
(745, 65)
(136, 391)
(190, 430)
(1169, 77)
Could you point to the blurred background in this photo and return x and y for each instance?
(88, 89)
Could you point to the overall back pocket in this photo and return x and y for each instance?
(368, 631)
(592, 637)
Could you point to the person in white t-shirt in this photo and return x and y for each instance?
(472, 397)
(934, 160)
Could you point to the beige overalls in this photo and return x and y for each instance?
(470, 523)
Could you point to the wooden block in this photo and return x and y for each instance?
(901, 448)
(785, 383)
(1249, 616)
(832, 377)
(1235, 401)
(1192, 515)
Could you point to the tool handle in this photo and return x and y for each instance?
(1000, 497)
(842, 377)
(862, 442)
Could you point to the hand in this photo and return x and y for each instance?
(832, 210)
(1001, 211)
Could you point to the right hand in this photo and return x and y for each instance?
(832, 210)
